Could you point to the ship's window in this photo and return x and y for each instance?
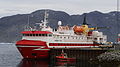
(101, 38)
(30, 34)
(43, 34)
(39, 34)
(23, 34)
(50, 35)
(57, 36)
(33, 34)
(27, 34)
(36, 34)
(34, 54)
(95, 38)
(88, 38)
(60, 37)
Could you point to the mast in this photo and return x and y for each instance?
(43, 25)
(45, 21)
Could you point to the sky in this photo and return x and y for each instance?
(13, 7)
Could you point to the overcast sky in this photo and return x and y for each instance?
(12, 7)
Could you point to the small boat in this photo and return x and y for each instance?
(63, 57)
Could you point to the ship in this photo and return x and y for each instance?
(37, 43)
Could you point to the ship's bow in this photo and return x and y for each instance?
(33, 49)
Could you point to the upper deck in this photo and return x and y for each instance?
(78, 34)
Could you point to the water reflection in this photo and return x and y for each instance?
(10, 57)
(33, 63)
(47, 63)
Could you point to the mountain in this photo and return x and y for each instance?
(11, 26)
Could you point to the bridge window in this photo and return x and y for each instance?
(39, 34)
(33, 34)
(43, 34)
(36, 34)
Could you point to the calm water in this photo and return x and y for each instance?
(10, 57)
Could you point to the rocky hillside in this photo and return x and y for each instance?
(11, 26)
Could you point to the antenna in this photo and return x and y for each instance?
(28, 20)
(45, 21)
(46, 16)
(117, 17)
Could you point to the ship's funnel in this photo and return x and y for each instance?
(84, 20)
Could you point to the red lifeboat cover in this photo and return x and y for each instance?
(36, 32)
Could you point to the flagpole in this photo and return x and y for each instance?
(117, 18)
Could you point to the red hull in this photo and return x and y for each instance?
(33, 49)
(39, 49)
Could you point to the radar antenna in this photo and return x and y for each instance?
(59, 23)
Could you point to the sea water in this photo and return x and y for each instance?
(10, 57)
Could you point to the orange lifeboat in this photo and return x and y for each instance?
(83, 29)
(78, 29)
